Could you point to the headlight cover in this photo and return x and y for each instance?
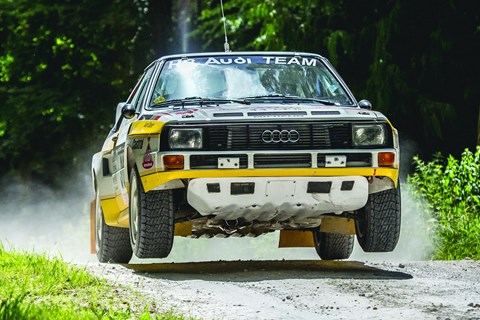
(185, 138)
(369, 135)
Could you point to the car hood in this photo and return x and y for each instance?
(260, 112)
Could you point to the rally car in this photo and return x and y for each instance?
(243, 144)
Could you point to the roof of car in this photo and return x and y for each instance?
(239, 53)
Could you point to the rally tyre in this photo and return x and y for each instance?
(151, 220)
(333, 246)
(111, 243)
(377, 225)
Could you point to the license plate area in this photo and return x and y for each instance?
(335, 161)
(228, 163)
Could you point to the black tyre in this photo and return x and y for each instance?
(332, 246)
(151, 220)
(378, 223)
(112, 244)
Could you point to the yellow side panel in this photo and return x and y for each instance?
(295, 238)
(124, 218)
(145, 127)
(183, 229)
(112, 208)
(338, 225)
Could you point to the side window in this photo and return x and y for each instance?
(142, 89)
(135, 98)
(134, 92)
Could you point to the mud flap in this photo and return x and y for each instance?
(304, 239)
(183, 229)
(92, 227)
(338, 225)
(295, 238)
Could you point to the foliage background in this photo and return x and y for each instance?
(64, 65)
(451, 189)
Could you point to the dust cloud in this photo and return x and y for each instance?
(417, 228)
(37, 218)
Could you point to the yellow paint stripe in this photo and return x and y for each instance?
(154, 180)
(146, 127)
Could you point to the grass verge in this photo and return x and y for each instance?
(33, 286)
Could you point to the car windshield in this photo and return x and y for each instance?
(250, 78)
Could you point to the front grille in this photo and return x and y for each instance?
(283, 160)
(249, 136)
(284, 136)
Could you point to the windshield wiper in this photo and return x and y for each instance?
(198, 100)
(277, 96)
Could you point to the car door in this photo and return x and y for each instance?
(119, 169)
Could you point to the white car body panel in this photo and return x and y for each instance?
(276, 198)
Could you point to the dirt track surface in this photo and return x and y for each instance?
(305, 289)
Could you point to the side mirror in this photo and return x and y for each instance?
(128, 111)
(365, 104)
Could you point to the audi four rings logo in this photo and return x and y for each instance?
(284, 136)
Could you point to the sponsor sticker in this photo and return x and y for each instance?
(147, 158)
(239, 60)
(159, 100)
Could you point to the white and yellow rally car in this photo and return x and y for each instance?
(242, 144)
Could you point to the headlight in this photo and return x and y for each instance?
(185, 139)
(369, 135)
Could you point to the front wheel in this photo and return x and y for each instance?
(377, 225)
(112, 244)
(151, 220)
(332, 246)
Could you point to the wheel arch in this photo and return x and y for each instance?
(130, 161)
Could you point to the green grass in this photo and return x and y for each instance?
(450, 189)
(33, 286)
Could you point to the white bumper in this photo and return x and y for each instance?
(276, 198)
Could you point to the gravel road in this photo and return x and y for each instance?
(305, 289)
(299, 287)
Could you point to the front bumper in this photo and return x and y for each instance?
(276, 198)
(160, 180)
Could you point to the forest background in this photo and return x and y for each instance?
(64, 66)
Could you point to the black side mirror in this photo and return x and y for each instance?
(365, 104)
(128, 111)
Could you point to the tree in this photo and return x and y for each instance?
(63, 67)
(478, 128)
(420, 72)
